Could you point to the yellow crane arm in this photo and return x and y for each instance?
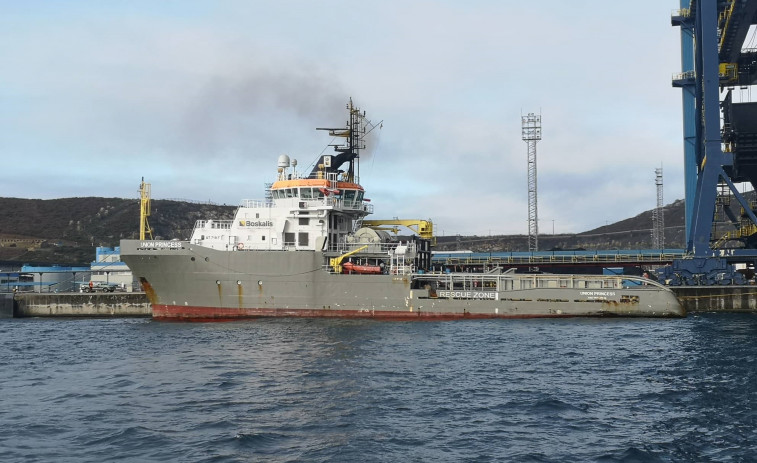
(144, 210)
(424, 228)
(336, 262)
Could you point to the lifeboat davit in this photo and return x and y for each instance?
(349, 267)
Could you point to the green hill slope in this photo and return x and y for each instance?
(67, 230)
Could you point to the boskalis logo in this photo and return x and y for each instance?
(255, 223)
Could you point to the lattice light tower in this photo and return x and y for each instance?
(531, 125)
(658, 219)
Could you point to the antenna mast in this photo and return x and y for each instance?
(531, 125)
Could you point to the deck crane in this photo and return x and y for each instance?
(424, 228)
(144, 210)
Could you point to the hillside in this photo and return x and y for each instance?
(67, 230)
(631, 233)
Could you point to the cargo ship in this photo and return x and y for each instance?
(307, 250)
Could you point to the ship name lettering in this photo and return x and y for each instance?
(160, 244)
(597, 293)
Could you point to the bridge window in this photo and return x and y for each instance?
(349, 197)
(306, 193)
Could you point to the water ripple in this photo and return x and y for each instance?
(350, 390)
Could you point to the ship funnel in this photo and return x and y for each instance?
(283, 161)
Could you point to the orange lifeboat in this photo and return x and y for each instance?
(349, 267)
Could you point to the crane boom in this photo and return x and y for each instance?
(144, 210)
(424, 228)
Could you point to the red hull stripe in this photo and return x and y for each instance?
(188, 313)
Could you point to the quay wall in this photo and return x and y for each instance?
(717, 298)
(6, 305)
(82, 305)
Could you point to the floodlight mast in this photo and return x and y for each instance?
(531, 130)
(658, 218)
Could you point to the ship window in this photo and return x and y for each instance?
(304, 221)
(288, 239)
(289, 192)
(317, 194)
(349, 197)
(294, 192)
(302, 239)
(257, 215)
(359, 197)
(263, 238)
(306, 193)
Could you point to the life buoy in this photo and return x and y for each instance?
(240, 246)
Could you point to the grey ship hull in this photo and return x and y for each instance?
(185, 281)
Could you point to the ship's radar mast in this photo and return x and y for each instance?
(144, 210)
(349, 151)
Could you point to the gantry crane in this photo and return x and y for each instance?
(717, 157)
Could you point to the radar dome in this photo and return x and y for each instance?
(283, 160)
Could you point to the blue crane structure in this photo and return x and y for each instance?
(717, 157)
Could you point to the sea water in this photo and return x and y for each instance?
(279, 390)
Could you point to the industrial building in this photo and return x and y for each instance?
(107, 269)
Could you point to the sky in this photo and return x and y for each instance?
(200, 98)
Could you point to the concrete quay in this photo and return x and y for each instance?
(6, 305)
(93, 305)
(717, 298)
